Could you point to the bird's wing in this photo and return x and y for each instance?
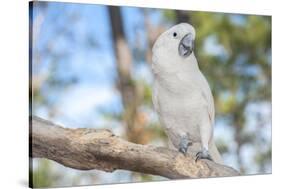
(208, 97)
(204, 88)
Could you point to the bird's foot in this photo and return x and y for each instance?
(184, 144)
(204, 154)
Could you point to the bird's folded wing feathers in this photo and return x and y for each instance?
(207, 96)
(205, 91)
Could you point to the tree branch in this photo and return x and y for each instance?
(87, 149)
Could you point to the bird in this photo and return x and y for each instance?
(181, 94)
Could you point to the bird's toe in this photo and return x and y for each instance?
(204, 154)
(183, 149)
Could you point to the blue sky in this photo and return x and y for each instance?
(94, 66)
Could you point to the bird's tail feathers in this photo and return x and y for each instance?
(215, 153)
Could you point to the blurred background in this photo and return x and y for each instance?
(91, 68)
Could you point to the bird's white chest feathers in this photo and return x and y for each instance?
(180, 102)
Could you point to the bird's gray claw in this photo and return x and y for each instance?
(184, 144)
(204, 154)
(183, 149)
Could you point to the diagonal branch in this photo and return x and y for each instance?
(87, 149)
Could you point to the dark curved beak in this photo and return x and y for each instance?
(186, 45)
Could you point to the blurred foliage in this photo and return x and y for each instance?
(44, 175)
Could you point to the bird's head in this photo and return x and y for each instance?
(174, 45)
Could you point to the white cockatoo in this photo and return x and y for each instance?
(181, 94)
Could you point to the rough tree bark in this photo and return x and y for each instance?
(87, 149)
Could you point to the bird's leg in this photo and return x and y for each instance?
(184, 144)
(204, 153)
(206, 130)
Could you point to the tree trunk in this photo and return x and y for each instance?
(126, 84)
(182, 16)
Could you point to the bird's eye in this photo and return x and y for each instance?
(175, 34)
